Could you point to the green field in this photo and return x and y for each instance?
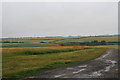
(17, 64)
(51, 41)
(36, 55)
(27, 45)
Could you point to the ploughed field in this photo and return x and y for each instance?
(23, 57)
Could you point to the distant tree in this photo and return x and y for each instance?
(69, 36)
(6, 41)
(95, 41)
(62, 44)
(103, 42)
(42, 42)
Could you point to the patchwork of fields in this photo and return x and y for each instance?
(24, 57)
(52, 41)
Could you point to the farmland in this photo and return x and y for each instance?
(24, 57)
(51, 41)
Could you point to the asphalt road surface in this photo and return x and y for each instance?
(105, 66)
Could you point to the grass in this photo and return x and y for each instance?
(107, 46)
(69, 40)
(53, 41)
(16, 65)
(21, 59)
(108, 39)
(52, 49)
(88, 39)
(4, 45)
(0, 63)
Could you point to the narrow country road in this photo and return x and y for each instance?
(105, 66)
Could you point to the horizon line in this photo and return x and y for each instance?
(64, 36)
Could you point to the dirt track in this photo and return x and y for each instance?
(105, 66)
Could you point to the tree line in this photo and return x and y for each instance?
(92, 43)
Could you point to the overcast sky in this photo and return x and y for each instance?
(27, 19)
